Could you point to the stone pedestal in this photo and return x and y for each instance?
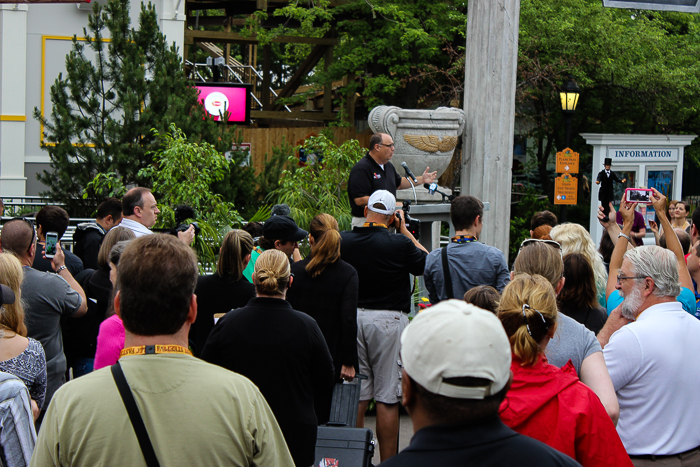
(422, 137)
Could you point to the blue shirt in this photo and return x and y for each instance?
(686, 298)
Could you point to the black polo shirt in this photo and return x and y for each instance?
(489, 443)
(366, 177)
(383, 262)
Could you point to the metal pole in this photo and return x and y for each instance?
(567, 142)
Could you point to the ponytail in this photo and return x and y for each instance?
(326, 249)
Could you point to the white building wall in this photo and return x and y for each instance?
(34, 41)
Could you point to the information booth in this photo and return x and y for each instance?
(645, 161)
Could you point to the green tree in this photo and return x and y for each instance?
(320, 187)
(114, 91)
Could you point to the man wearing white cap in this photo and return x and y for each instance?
(456, 371)
(384, 263)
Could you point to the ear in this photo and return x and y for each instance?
(291, 280)
(118, 304)
(478, 220)
(39, 231)
(367, 210)
(192, 313)
(246, 260)
(560, 285)
(531, 233)
(512, 275)
(255, 279)
(277, 244)
(648, 286)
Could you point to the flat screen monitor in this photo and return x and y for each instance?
(220, 97)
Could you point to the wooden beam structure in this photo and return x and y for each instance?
(296, 115)
(235, 38)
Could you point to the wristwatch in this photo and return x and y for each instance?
(61, 268)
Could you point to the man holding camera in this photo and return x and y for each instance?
(384, 264)
(141, 213)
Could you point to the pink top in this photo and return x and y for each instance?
(110, 341)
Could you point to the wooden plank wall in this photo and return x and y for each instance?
(262, 140)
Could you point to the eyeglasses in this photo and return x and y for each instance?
(531, 241)
(622, 278)
(387, 145)
(31, 224)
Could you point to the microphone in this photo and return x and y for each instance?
(409, 173)
(433, 188)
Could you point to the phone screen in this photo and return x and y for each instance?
(51, 240)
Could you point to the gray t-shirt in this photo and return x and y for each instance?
(47, 297)
(572, 341)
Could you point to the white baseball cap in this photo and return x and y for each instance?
(384, 198)
(454, 339)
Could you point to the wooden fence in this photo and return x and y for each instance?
(262, 140)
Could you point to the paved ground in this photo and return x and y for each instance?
(405, 433)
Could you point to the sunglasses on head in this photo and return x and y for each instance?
(31, 224)
(531, 241)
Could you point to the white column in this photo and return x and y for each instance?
(13, 92)
(489, 105)
(172, 23)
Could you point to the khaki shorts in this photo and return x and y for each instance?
(378, 352)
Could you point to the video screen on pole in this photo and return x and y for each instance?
(218, 98)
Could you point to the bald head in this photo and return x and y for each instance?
(17, 236)
(683, 237)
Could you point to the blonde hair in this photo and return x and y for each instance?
(573, 238)
(542, 259)
(326, 249)
(527, 326)
(272, 273)
(11, 274)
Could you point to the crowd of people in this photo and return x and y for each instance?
(572, 356)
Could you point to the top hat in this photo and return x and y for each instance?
(608, 161)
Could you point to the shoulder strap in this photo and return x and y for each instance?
(446, 273)
(136, 421)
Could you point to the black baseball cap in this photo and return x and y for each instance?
(7, 296)
(283, 228)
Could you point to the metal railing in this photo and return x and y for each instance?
(241, 74)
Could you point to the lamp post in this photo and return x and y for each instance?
(569, 94)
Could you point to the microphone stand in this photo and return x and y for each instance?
(415, 198)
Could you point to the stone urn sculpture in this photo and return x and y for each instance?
(422, 137)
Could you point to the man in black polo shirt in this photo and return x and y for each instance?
(384, 263)
(374, 172)
(456, 372)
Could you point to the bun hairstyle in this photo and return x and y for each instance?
(542, 232)
(272, 273)
(326, 249)
(528, 311)
(236, 246)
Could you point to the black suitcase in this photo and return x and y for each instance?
(343, 447)
(345, 402)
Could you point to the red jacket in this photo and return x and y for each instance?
(553, 406)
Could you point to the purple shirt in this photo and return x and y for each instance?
(638, 225)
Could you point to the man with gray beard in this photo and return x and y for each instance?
(647, 359)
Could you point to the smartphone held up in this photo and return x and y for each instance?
(51, 242)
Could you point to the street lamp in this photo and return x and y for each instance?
(569, 94)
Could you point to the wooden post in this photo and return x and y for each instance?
(489, 107)
(350, 100)
(265, 92)
(328, 88)
(227, 51)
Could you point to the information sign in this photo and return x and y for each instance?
(565, 189)
(567, 161)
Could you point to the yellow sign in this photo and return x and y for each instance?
(565, 189)
(567, 161)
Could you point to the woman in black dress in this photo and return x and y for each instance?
(281, 350)
(224, 290)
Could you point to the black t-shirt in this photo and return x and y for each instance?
(383, 262)
(73, 263)
(366, 177)
(593, 318)
(486, 443)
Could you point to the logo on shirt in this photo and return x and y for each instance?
(328, 462)
(377, 176)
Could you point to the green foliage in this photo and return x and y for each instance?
(182, 174)
(520, 216)
(319, 188)
(111, 96)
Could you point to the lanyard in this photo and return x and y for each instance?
(154, 349)
(463, 239)
(373, 224)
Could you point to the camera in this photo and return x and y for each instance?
(182, 213)
(412, 225)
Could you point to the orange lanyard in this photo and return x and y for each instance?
(154, 349)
